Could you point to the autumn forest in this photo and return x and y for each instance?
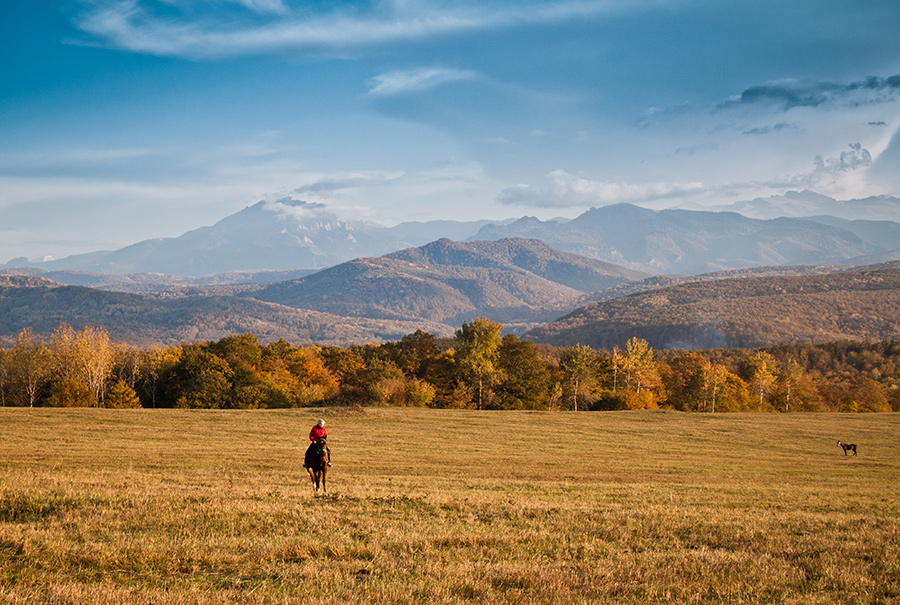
(479, 368)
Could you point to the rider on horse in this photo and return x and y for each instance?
(317, 432)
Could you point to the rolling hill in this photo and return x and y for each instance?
(741, 312)
(39, 304)
(517, 282)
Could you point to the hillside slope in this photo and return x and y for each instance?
(741, 312)
(29, 302)
(517, 282)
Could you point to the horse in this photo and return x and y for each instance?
(317, 464)
(847, 447)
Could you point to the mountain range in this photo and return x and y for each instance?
(694, 242)
(289, 269)
(811, 204)
(379, 299)
(267, 236)
(290, 235)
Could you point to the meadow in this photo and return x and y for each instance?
(447, 506)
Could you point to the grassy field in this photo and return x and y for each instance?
(169, 506)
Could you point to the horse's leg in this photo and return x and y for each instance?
(324, 474)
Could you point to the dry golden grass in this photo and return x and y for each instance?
(201, 507)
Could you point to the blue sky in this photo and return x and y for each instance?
(122, 120)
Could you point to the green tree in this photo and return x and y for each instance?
(525, 378)
(477, 353)
(199, 379)
(155, 364)
(415, 354)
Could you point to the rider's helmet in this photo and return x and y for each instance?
(321, 422)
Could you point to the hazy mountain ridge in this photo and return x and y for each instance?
(811, 204)
(742, 312)
(267, 236)
(691, 241)
(292, 235)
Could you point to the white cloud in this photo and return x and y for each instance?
(264, 6)
(132, 25)
(335, 184)
(400, 82)
(568, 191)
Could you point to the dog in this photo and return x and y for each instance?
(847, 446)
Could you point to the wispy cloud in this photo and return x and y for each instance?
(771, 129)
(790, 93)
(136, 26)
(265, 6)
(336, 184)
(568, 191)
(399, 82)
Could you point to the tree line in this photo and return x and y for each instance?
(479, 368)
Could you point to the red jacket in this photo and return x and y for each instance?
(317, 433)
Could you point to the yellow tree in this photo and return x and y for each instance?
(788, 375)
(30, 364)
(96, 354)
(122, 396)
(84, 357)
(759, 372)
(717, 377)
(640, 374)
(477, 352)
(578, 365)
(299, 373)
(4, 376)
(155, 363)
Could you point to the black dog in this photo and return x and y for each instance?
(847, 446)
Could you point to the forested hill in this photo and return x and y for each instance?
(515, 281)
(532, 255)
(741, 312)
(41, 305)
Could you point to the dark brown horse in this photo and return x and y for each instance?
(847, 447)
(317, 464)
